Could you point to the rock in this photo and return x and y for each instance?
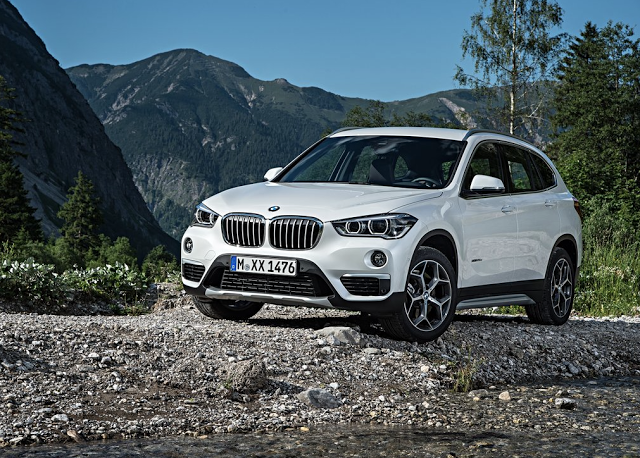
(478, 394)
(343, 334)
(371, 351)
(565, 403)
(333, 340)
(504, 396)
(62, 418)
(318, 398)
(73, 434)
(334, 385)
(573, 369)
(94, 356)
(247, 376)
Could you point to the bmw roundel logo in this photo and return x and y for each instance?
(275, 208)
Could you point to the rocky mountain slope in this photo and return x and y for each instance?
(64, 136)
(191, 125)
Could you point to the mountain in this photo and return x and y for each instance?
(63, 136)
(190, 125)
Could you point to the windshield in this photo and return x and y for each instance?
(412, 162)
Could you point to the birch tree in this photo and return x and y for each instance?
(514, 54)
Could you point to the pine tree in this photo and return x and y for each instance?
(597, 122)
(16, 214)
(514, 54)
(82, 217)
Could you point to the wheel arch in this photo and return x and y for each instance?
(569, 244)
(442, 241)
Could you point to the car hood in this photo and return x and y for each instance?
(325, 201)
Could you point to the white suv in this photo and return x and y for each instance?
(405, 224)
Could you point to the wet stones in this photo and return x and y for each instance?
(565, 403)
(319, 398)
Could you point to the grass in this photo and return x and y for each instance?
(463, 377)
(609, 282)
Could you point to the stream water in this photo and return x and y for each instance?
(620, 438)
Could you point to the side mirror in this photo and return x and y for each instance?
(485, 184)
(272, 173)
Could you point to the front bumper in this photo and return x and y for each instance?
(211, 288)
(334, 258)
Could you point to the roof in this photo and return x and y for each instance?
(430, 132)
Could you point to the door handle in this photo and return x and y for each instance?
(507, 209)
(549, 203)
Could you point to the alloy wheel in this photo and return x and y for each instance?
(428, 295)
(561, 288)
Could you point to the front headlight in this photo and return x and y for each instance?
(204, 217)
(390, 226)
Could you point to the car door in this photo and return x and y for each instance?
(489, 225)
(536, 211)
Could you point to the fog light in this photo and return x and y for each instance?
(378, 259)
(188, 245)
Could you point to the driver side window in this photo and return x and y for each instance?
(485, 161)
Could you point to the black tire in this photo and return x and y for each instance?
(559, 286)
(227, 310)
(424, 317)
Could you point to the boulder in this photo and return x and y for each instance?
(319, 398)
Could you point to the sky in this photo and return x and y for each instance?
(383, 50)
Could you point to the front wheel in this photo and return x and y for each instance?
(227, 310)
(557, 300)
(430, 298)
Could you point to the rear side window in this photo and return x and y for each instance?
(547, 177)
(522, 175)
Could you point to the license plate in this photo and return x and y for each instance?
(268, 266)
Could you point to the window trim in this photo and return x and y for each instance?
(535, 168)
(472, 195)
(467, 195)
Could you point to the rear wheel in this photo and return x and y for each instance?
(557, 301)
(430, 298)
(227, 310)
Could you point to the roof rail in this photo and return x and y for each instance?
(471, 132)
(343, 129)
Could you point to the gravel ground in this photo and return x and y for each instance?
(66, 378)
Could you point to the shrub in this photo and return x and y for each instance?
(609, 282)
(39, 284)
(29, 281)
(159, 265)
(111, 253)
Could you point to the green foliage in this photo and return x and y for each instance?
(31, 282)
(465, 371)
(108, 252)
(39, 284)
(16, 215)
(609, 282)
(513, 53)
(159, 265)
(374, 116)
(117, 282)
(82, 216)
(597, 123)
